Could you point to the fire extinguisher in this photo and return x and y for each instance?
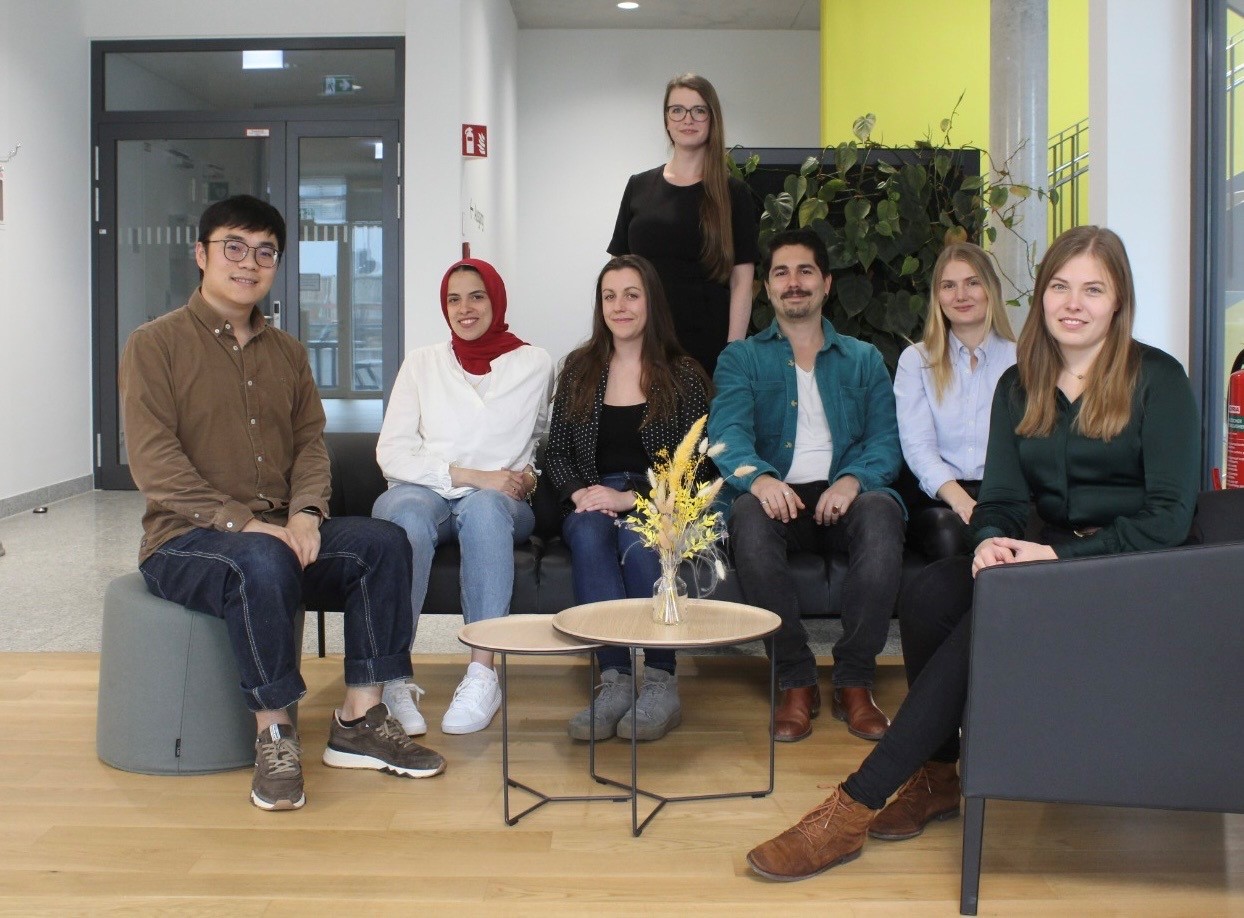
(1235, 424)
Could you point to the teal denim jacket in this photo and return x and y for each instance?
(755, 411)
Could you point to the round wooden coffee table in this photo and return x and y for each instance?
(706, 623)
(531, 635)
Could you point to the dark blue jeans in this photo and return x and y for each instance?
(871, 533)
(254, 582)
(609, 561)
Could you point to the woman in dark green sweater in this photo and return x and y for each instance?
(1098, 432)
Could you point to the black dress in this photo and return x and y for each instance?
(661, 222)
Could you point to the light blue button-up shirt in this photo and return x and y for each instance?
(945, 441)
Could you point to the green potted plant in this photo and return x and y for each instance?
(885, 213)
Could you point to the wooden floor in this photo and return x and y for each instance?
(79, 838)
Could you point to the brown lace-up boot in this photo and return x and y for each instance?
(931, 793)
(830, 835)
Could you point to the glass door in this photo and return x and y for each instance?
(344, 178)
(152, 183)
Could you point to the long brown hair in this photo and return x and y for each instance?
(717, 252)
(1111, 381)
(937, 330)
(660, 354)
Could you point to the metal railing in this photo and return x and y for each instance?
(1069, 160)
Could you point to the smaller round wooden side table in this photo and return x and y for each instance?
(531, 635)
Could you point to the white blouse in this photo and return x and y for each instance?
(437, 418)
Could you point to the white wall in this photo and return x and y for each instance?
(589, 115)
(1139, 90)
(45, 366)
(460, 69)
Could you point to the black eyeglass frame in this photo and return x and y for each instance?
(688, 110)
(257, 249)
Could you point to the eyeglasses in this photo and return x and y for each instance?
(679, 112)
(237, 250)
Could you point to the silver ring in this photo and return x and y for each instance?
(788, 493)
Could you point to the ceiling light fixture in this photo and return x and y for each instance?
(628, 5)
(263, 60)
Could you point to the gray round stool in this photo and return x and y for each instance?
(169, 696)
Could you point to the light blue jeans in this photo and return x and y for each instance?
(486, 525)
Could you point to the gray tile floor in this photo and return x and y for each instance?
(57, 564)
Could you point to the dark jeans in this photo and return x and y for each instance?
(254, 582)
(609, 561)
(871, 533)
(936, 621)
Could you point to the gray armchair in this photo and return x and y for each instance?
(1085, 674)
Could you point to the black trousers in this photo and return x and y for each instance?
(936, 622)
(935, 530)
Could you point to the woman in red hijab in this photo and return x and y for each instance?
(457, 446)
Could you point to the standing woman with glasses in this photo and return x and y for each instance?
(695, 223)
(626, 395)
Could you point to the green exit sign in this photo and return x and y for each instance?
(339, 84)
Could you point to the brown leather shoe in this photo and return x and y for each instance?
(830, 835)
(931, 793)
(854, 704)
(792, 721)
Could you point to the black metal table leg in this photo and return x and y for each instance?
(637, 827)
(542, 798)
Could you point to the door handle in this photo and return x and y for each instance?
(276, 313)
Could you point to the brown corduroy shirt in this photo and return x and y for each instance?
(218, 434)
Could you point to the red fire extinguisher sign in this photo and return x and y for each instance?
(1235, 424)
(475, 140)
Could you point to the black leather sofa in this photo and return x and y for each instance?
(542, 564)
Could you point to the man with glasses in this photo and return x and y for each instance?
(224, 431)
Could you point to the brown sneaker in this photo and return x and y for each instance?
(380, 743)
(277, 782)
(931, 793)
(830, 835)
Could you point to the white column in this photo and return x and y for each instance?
(1140, 70)
(1019, 127)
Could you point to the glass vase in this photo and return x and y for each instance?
(669, 594)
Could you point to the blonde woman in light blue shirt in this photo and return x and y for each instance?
(943, 392)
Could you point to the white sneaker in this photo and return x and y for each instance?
(397, 698)
(476, 700)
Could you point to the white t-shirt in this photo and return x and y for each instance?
(814, 445)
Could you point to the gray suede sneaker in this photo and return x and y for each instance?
(613, 699)
(277, 782)
(658, 710)
(380, 743)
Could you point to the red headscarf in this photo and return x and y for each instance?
(477, 356)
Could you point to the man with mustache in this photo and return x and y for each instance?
(811, 412)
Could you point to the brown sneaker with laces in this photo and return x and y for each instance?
(830, 835)
(931, 793)
(380, 744)
(277, 782)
